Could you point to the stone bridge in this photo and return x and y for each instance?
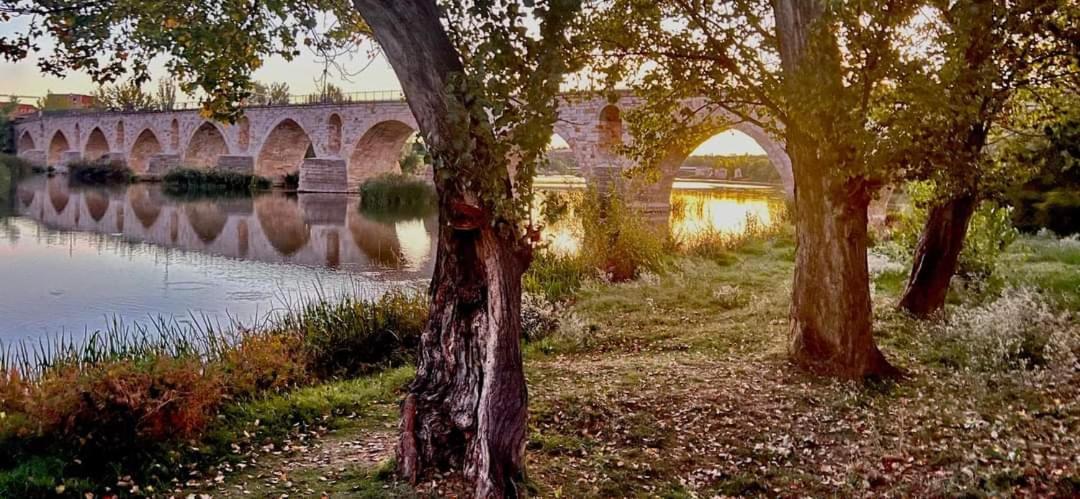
(333, 147)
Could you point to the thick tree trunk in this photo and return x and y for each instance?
(937, 255)
(466, 409)
(831, 315)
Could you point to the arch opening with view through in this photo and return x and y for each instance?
(378, 151)
(26, 143)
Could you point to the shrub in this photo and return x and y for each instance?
(188, 181)
(99, 172)
(616, 238)
(398, 194)
(1017, 331)
(292, 181)
(989, 233)
(265, 363)
(539, 317)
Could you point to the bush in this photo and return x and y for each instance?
(292, 181)
(100, 172)
(265, 363)
(539, 317)
(1019, 330)
(197, 181)
(397, 195)
(989, 233)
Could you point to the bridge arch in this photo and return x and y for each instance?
(58, 145)
(678, 153)
(97, 146)
(283, 150)
(378, 151)
(562, 156)
(146, 145)
(205, 146)
(26, 142)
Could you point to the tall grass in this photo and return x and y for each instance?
(99, 172)
(134, 398)
(196, 182)
(395, 196)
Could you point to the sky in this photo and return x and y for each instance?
(373, 73)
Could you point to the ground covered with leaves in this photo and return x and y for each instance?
(676, 385)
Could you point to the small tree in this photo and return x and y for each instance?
(124, 97)
(996, 59)
(816, 74)
(274, 94)
(165, 97)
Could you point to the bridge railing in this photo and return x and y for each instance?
(255, 101)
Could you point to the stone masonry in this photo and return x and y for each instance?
(333, 147)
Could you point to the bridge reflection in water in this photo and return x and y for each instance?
(76, 257)
(316, 230)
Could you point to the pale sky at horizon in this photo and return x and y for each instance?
(24, 78)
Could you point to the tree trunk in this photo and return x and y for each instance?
(937, 255)
(831, 314)
(466, 408)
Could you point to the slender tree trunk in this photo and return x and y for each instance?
(831, 315)
(466, 408)
(937, 255)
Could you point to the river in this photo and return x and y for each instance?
(73, 260)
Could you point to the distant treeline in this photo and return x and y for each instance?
(756, 168)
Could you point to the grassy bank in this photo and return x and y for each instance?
(188, 182)
(142, 407)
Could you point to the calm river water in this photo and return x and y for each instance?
(75, 259)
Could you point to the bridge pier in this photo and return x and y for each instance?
(324, 175)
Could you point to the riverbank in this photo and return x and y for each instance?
(676, 385)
